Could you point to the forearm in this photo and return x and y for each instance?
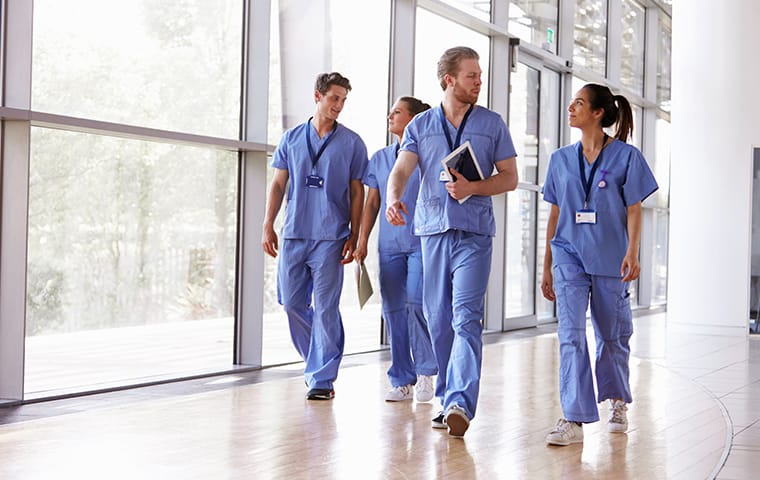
(634, 229)
(497, 184)
(399, 176)
(551, 230)
(357, 203)
(274, 203)
(369, 216)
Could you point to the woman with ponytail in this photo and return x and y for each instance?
(595, 188)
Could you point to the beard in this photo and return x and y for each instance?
(465, 96)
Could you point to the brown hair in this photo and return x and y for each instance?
(414, 105)
(448, 64)
(616, 108)
(324, 80)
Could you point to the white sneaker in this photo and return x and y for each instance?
(398, 394)
(457, 421)
(423, 389)
(565, 433)
(618, 422)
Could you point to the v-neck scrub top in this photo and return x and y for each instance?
(600, 247)
(319, 213)
(436, 212)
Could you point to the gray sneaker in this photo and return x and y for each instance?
(618, 422)
(565, 433)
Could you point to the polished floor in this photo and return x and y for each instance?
(695, 415)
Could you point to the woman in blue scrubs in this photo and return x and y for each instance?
(412, 361)
(595, 188)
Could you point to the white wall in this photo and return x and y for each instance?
(715, 124)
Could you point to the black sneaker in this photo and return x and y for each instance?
(320, 394)
(437, 422)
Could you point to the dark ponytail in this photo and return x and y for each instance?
(414, 105)
(617, 109)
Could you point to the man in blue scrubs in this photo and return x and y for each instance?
(456, 237)
(320, 163)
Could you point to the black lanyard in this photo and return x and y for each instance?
(587, 182)
(445, 126)
(315, 159)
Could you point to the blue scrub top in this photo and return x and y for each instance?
(436, 211)
(319, 213)
(392, 239)
(599, 247)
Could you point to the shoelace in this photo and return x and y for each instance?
(562, 427)
(617, 410)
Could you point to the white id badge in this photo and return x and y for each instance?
(442, 177)
(585, 216)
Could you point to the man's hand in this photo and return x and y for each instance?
(348, 251)
(269, 241)
(393, 213)
(460, 187)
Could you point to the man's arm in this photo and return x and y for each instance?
(505, 180)
(369, 215)
(357, 202)
(276, 194)
(397, 180)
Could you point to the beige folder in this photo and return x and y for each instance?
(363, 284)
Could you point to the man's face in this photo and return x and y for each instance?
(330, 104)
(466, 84)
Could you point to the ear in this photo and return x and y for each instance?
(317, 96)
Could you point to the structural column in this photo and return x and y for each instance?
(715, 100)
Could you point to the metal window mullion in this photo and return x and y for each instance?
(17, 93)
(252, 188)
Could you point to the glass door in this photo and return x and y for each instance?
(534, 125)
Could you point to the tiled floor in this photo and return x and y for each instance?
(694, 416)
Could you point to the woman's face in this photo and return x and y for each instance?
(580, 114)
(398, 118)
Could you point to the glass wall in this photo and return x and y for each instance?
(535, 22)
(134, 227)
(632, 47)
(140, 63)
(590, 34)
(295, 64)
(428, 49)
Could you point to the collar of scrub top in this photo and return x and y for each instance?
(315, 158)
(459, 130)
(587, 182)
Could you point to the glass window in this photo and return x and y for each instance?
(519, 294)
(428, 49)
(590, 48)
(360, 51)
(535, 22)
(523, 121)
(480, 9)
(660, 262)
(632, 47)
(660, 165)
(172, 65)
(131, 259)
(663, 63)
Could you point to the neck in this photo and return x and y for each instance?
(592, 140)
(454, 109)
(322, 124)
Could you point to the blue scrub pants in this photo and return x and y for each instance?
(316, 329)
(456, 268)
(613, 327)
(401, 293)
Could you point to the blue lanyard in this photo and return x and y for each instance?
(459, 130)
(587, 182)
(307, 130)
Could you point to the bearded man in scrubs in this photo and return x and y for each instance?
(320, 163)
(456, 237)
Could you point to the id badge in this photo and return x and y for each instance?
(314, 181)
(585, 216)
(442, 177)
